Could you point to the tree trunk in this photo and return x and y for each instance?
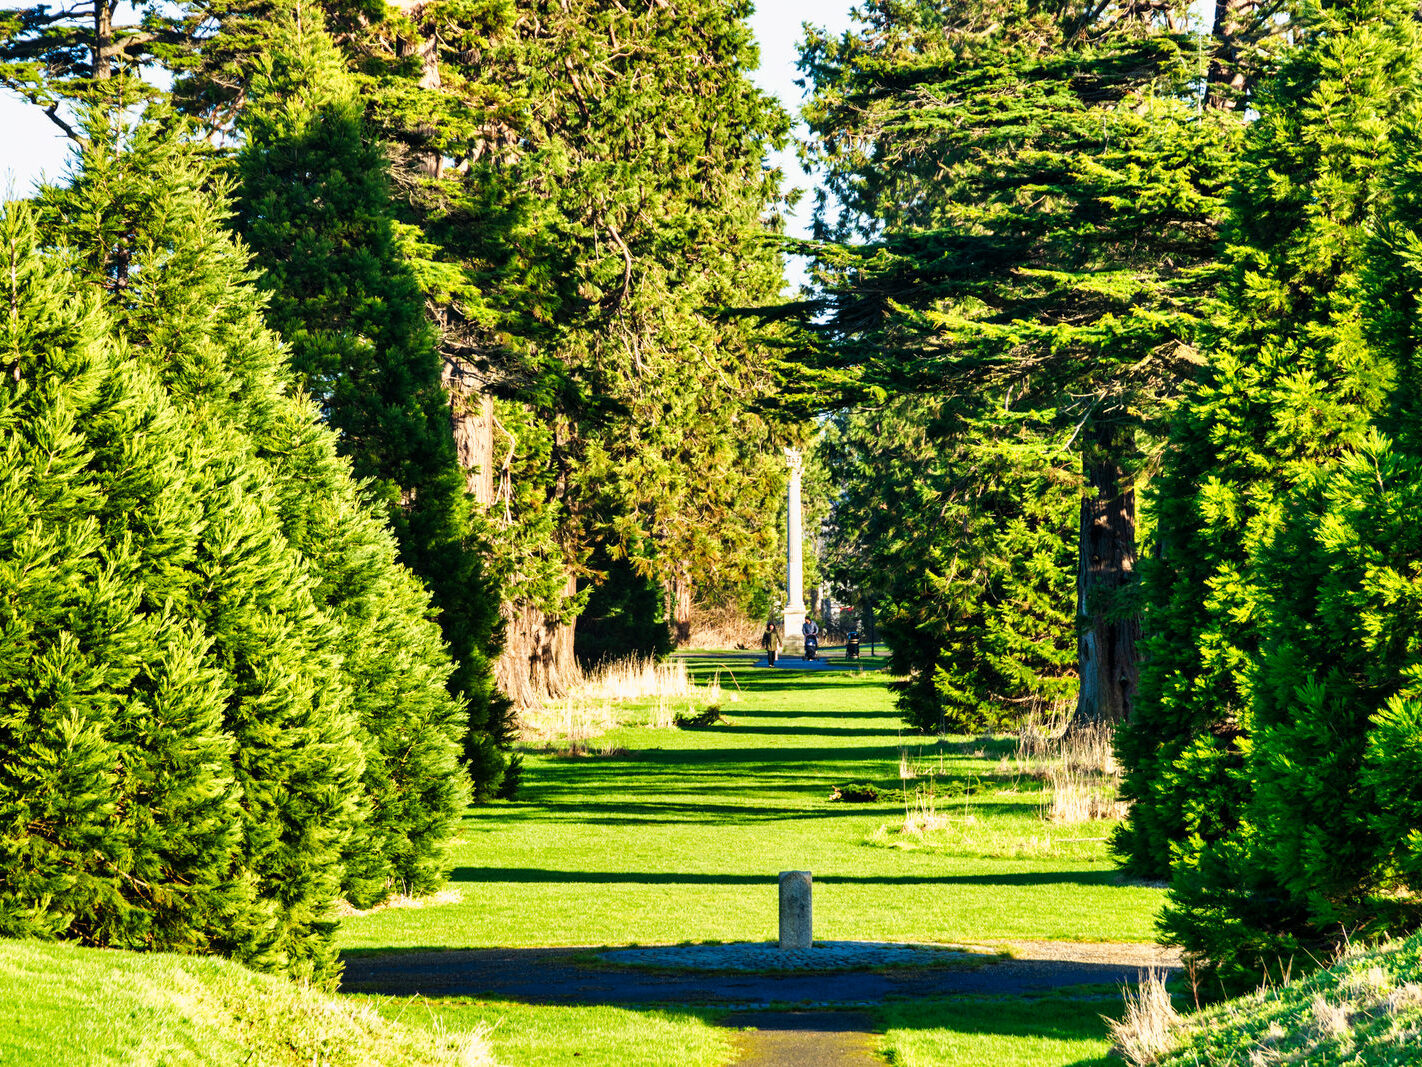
(679, 602)
(1108, 632)
(103, 51)
(537, 664)
(1228, 81)
(472, 419)
(425, 45)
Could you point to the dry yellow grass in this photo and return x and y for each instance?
(638, 690)
(1148, 1028)
(1079, 767)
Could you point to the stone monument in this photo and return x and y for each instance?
(794, 562)
(796, 910)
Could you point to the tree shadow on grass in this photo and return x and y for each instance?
(801, 731)
(1007, 878)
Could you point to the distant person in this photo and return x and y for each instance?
(811, 629)
(770, 641)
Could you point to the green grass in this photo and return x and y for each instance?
(677, 836)
(65, 1005)
(1048, 1031)
(543, 1036)
(680, 838)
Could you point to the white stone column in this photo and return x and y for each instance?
(794, 561)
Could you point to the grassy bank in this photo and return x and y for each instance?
(1363, 1011)
(659, 835)
(64, 1005)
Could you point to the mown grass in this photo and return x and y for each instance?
(63, 1005)
(679, 836)
(598, 1036)
(1046, 1031)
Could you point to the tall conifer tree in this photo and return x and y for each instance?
(332, 674)
(1021, 202)
(1246, 756)
(313, 202)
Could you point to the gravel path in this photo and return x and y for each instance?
(557, 976)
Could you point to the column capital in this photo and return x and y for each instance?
(795, 459)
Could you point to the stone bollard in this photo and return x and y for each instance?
(796, 912)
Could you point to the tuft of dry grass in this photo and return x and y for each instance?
(1074, 798)
(1078, 766)
(723, 627)
(1329, 1019)
(638, 690)
(400, 900)
(475, 1048)
(1149, 1027)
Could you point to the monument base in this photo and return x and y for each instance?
(790, 632)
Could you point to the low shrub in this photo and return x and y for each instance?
(708, 716)
(860, 793)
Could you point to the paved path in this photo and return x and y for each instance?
(555, 976)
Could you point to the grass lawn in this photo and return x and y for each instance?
(539, 1036)
(63, 1005)
(665, 836)
(678, 835)
(1048, 1031)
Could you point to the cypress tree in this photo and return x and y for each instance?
(1245, 759)
(964, 534)
(332, 665)
(313, 203)
(119, 809)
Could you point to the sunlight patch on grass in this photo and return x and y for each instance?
(662, 836)
(1051, 1031)
(547, 1035)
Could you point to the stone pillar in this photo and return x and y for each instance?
(796, 912)
(794, 562)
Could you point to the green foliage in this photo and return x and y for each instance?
(315, 207)
(278, 691)
(961, 537)
(606, 199)
(709, 716)
(1027, 206)
(119, 816)
(625, 616)
(1283, 608)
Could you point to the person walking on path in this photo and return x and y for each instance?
(811, 630)
(770, 641)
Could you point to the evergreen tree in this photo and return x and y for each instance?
(964, 535)
(331, 665)
(1274, 644)
(314, 205)
(597, 171)
(119, 818)
(1025, 201)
